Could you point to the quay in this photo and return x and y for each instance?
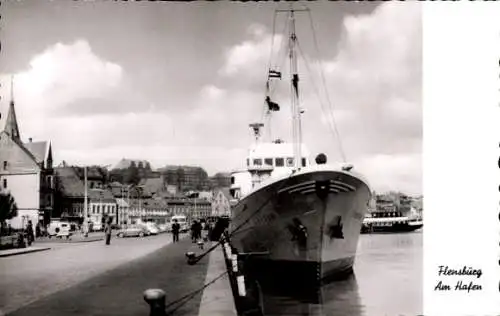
(120, 291)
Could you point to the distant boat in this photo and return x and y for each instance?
(301, 220)
(390, 218)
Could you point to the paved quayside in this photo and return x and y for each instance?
(119, 291)
(30, 277)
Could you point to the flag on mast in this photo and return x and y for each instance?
(272, 106)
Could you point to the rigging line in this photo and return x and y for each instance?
(186, 298)
(283, 49)
(324, 80)
(282, 54)
(198, 258)
(271, 52)
(324, 110)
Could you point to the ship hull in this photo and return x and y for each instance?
(302, 229)
(395, 228)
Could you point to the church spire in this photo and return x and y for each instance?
(11, 126)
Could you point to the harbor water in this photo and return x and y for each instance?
(387, 280)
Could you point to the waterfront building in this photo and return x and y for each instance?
(26, 172)
(178, 206)
(185, 177)
(221, 202)
(152, 187)
(149, 210)
(220, 180)
(69, 196)
(102, 204)
(199, 209)
(123, 211)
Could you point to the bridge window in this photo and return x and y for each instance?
(280, 162)
(268, 161)
(289, 162)
(303, 162)
(257, 162)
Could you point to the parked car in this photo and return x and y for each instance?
(152, 228)
(96, 227)
(163, 227)
(59, 229)
(132, 231)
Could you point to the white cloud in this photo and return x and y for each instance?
(250, 57)
(56, 78)
(212, 92)
(387, 172)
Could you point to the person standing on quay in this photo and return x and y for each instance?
(108, 230)
(175, 230)
(29, 232)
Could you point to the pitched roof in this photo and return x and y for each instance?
(99, 195)
(125, 163)
(10, 125)
(38, 149)
(69, 182)
(226, 193)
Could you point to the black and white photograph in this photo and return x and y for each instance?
(211, 158)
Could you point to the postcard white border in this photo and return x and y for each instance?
(461, 50)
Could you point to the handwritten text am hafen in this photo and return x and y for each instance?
(460, 285)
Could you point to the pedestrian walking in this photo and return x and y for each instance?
(176, 227)
(193, 231)
(198, 227)
(29, 232)
(108, 230)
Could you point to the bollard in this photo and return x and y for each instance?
(156, 300)
(235, 263)
(191, 258)
(200, 244)
(241, 285)
(228, 251)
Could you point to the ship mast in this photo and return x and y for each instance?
(296, 112)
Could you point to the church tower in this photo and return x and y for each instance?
(11, 126)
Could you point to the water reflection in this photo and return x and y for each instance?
(387, 280)
(336, 298)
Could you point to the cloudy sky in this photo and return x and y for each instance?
(178, 83)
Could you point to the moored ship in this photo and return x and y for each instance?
(300, 220)
(393, 214)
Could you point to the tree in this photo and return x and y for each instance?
(8, 208)
(117, 175)
(132, 174)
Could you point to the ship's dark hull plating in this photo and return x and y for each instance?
(305, 227)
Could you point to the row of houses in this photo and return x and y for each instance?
(128, 204)
(43, 192)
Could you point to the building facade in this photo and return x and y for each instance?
(123, 211)
(221, 205)
(26, 172)
(102, 205)
(149, 210)
(69, 196)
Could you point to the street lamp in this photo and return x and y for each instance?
(85, 206)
